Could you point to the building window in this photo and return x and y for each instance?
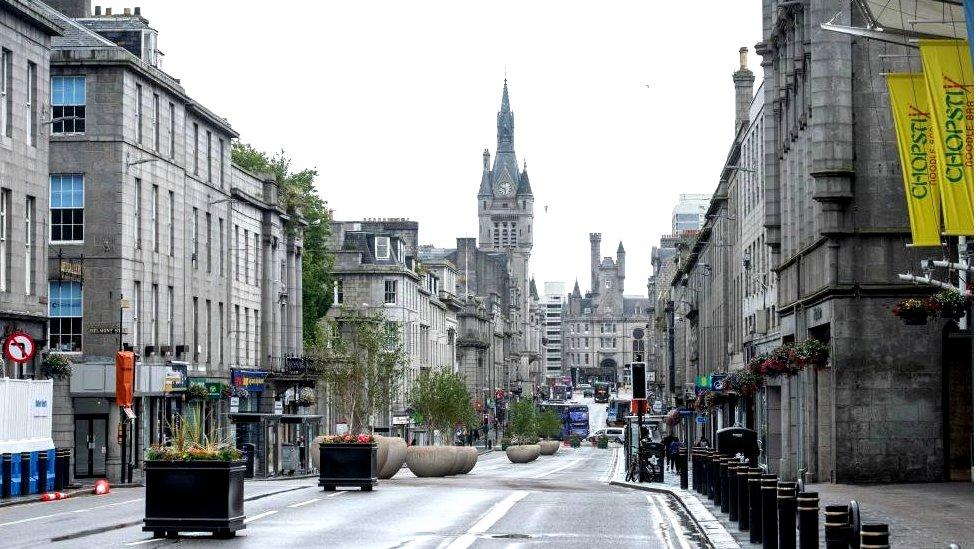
(389, 291)
(5, 215)
(209, 339)
(382, 244)
(257, 258)
(67, 208)
(196, 149)
(209, 157)
(6, 92)
(153, 316)
(139, 113)
(172, 224)
(337, 292)
(154, 213)
(29, 247)
(155, 122)
(587, 358)
(172, 131)
(138, 212)
(196, 328)
(220, 245)
(68, 104)
(247, 260)
(237, 253)
(170, 326)
(209, 247)
(32, 104)
(220, 331)
(196, 238)
(136, 311)
(64, 308)
(220, 151)
(237, 334)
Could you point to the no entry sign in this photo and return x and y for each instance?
(19, 347)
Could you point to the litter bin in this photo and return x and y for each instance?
(733, 441)
(655, 451)
(248, 450)
(289, 458)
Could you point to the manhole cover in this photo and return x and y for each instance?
(511, 536)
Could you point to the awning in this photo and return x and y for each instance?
(254, 417)
(901, 20)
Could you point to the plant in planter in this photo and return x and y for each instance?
(603, 442)
(523, 426)
(505, 443)
(550, 425)
(574, 441)
(948, 304)
(56, 366)
(194, 485)
(811, 352)
(441, 397)
(911, 311)
(347, 460)
(197, 391)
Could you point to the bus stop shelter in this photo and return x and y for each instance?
(280, 442)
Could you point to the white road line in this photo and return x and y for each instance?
(21, 521)
(140, 542)
(31, 519)
(557, 469)
(259, 516)
(295, 505)
(491, 517)
(671, 519)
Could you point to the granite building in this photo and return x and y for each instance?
(25, 113)
(604, 330)
(158, 243)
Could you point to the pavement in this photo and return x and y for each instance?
(919, 516)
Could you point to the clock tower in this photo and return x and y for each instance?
(505, 205)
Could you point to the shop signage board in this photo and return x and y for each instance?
(235, 404)
(251, 380)
(213, 388)
(175, 378)
(715, 381)
(279, 407)
(401, 420)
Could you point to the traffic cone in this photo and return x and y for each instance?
(101, 487)
(52, 496)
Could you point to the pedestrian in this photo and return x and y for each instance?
(674, 450)
(703, 443)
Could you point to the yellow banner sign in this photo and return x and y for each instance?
(916, 150)
(949, 80)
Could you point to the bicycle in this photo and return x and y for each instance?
(649, 464)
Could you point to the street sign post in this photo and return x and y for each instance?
(19, 347)
(702, 420)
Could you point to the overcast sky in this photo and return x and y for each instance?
(619, 107)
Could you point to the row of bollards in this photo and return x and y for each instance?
(27, 473)
(774, 512)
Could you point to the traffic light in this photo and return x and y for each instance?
(638, 376)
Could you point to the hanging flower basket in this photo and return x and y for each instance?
(706, 401)
(745, 383)
(780, 361)
(811, 352)
(56, 366)
(306, 397)
(948, 304)
(673, 418)
(912, 312)
(241, 393)
(197, 392)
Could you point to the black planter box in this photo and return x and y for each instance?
(194, 496)
(347, 465)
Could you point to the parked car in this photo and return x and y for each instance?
(615, 434)
(586, 389)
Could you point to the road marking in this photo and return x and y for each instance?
(557, 469)
(295, 505)
(140, 542)
(31, 519)
(259, 516)
(658, 502)
(491, 517)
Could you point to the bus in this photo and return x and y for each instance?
(601, 391)
(575, 418)
(617, 412)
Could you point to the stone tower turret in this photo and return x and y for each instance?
(594, 261)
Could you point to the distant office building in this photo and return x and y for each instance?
(689, 213)
(555, 296)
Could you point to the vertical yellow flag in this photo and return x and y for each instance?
(949, 80)
(919, 168)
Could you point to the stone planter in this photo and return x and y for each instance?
(549, 447)
(382, 451)
(523, 453)
(396, 455)
(430, 461)
(470, 454)
(460, 460)
(347, 465)
(313, 451)
(194, 496)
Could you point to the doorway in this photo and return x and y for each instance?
(91, 445)
(957, 402)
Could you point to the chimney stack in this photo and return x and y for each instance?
(126, 11)
(743, 79)
(108, 11)
(98, 11)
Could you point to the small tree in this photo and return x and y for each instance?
(550, 424)
(523, 422)
(441, 398)
(361, 362)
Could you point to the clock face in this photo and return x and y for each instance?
(505, 188)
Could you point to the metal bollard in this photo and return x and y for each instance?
(808, 511)
(767, 486)
(724, 478)
(874, 536)
(836, 528)
(42, 472)
(713, 489)
(25, 473)
(745, 473)
(755, 506)
(6, 473)
(67, 467)
(734, 492)
(786, 507)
